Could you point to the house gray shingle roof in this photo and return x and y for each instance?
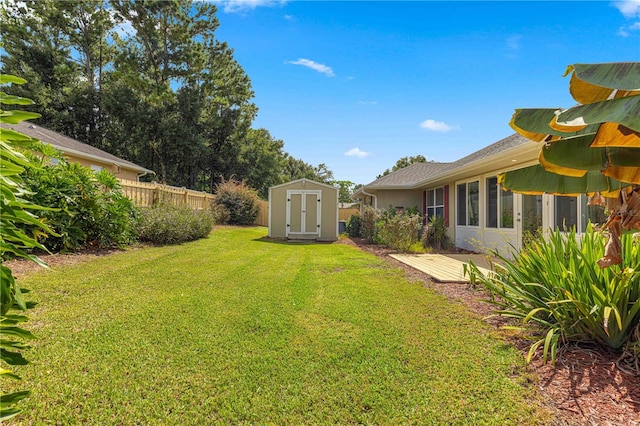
(70, 145)
(420, 173)
(495, 148)
(409, 176)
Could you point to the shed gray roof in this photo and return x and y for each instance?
(70, 146)
(420, 173)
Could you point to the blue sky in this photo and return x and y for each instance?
(358, 85)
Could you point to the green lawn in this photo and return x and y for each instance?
(237, 330)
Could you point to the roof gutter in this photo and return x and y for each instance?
(375, 198)
(101, 159)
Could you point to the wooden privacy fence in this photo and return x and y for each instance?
(145, 194)
(263, 216)
(345, 214)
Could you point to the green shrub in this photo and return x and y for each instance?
(368, 223)
(399, 231)
(115, 220)
(353, 226)
(90, 207)
(435, 235)
(220, 214)
(240, 201)
(556, 285)
(167, 224)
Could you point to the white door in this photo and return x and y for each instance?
(529, 218)
(303, 213)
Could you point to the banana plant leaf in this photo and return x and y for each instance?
(575, 157)
(535, 124)
(598, 82)
(625, 111)
(535, 180)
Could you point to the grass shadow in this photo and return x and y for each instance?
(289, 242)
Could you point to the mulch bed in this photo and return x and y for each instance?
(584, 388)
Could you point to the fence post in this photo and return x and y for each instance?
(156, 195)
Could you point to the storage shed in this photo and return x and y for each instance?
(303, 210)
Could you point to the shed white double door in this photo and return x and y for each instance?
(304, 210)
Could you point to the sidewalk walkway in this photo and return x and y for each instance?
(444, 268)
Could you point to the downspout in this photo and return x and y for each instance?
(375, 198)
(146, 172)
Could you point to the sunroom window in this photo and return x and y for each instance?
(468, 203)
(499, 205)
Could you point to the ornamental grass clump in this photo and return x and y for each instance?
(556, 286)
(167, 224)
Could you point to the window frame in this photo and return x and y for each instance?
(464, 208)
(432, 203)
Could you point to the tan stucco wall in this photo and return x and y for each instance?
(119, 172)
(400, 198)
(278, 209)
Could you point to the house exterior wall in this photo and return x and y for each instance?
(405, 199)
(328, 213)
(119, 172)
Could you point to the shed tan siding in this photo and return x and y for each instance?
(278, 208)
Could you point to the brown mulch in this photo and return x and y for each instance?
(584, 388)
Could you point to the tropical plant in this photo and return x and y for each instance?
(15, 213)
(555, 284)
(593, 147)
(435, 234)
(90, 207)
(116, 215)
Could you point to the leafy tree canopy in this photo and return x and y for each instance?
(404, 162)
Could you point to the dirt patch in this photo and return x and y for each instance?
(584, 388)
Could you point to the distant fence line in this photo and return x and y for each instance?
(145, 194)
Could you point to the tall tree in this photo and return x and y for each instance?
(37, 48)
(345, 189)
(261, 161)
(404, 162)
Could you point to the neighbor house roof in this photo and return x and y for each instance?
(421, 174)
(71, 146)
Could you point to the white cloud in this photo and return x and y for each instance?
(513, 42)
(626, 31)
(629, 8)
(233, 6)
(368, 102)
(321, 68)
(437, 126)
(356, 152)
